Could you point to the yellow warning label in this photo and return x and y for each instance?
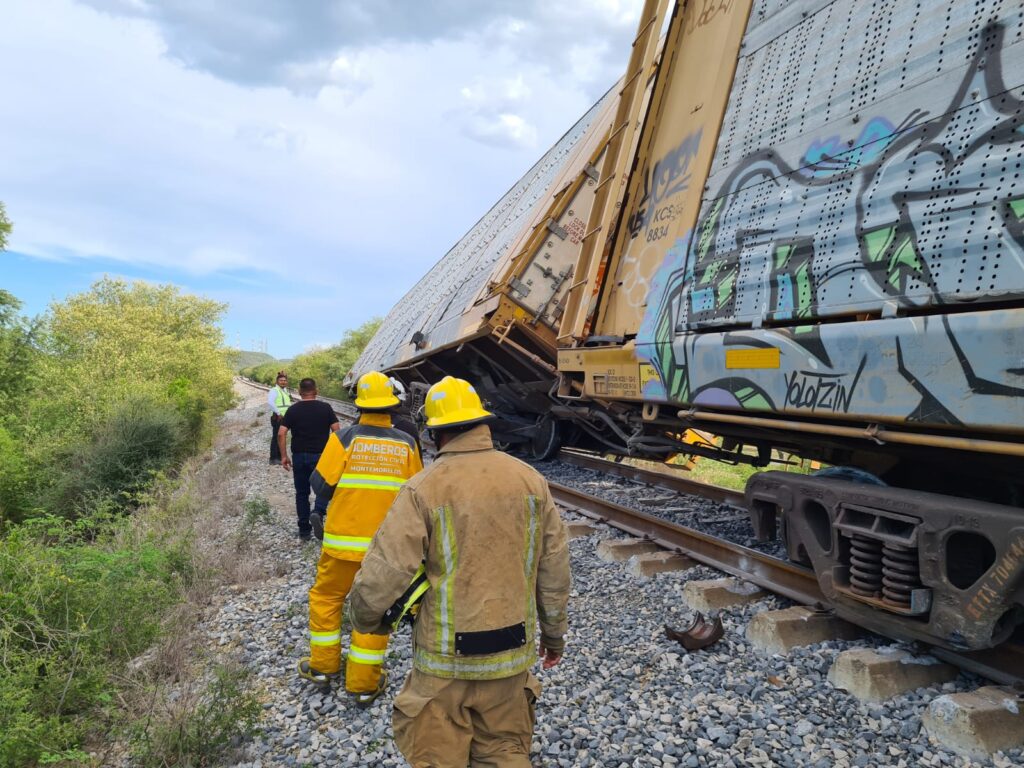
(752, 358)
(648, 373)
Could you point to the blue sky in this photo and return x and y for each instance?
(303, 162)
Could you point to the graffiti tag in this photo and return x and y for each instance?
(709, 11)
(670, 176)
(1001, 574)
(822, 391)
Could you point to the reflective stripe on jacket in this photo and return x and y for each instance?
(361, 471)
(496, 559)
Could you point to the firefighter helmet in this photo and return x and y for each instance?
(374, 393)
(453, 402)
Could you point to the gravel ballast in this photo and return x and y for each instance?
(624, 694)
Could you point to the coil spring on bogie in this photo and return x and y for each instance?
(901, 574)
(866, 576)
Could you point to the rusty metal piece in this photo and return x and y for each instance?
(700, 634)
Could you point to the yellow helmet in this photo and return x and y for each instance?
(374, 392)
(453, 402)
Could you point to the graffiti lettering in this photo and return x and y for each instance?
(822, 391)
(671, 175)
(709, 11)
(1003, 573)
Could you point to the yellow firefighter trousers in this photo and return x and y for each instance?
(334, 578)
(446, 723)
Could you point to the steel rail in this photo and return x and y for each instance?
(1003, 665)
(673, 482)
(776, 575)
(340, 407)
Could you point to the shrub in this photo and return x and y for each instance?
(71, 615)
(203, 726)
(120, 458)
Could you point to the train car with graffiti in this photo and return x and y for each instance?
(820, 249)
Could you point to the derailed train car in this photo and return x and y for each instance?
(490, 309)
(814, 241)
(822, 250)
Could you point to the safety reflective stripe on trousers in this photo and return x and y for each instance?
(347, 543)
(449, 556)
(325, 638)
(372, 482)
(362, 655)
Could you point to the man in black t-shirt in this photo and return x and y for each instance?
(311, 422)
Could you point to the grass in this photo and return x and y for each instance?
(96, 649)
(732, 476)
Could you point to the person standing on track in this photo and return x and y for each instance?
(311, 422)
(485, 528)
(360, 472)
(279, 400)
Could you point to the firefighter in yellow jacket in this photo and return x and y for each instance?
(485, 529)
(360, 472)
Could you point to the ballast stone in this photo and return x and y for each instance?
(977, 723)
(782, 630)
(876, 675)
(645, 566)
(716, 594)
(617, 550)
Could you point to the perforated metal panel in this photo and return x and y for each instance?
(870, 156)
(435, 306)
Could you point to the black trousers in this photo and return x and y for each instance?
(275, 451)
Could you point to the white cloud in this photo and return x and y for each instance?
(234, 138)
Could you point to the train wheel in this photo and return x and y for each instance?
(546, 439)
(850, 475)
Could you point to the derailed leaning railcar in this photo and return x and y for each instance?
(490, 309)
(821, 250)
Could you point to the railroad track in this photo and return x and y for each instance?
(1004, 665)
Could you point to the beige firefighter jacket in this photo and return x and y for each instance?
(496, 559)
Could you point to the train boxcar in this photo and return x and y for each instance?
(821, 249)
(489, 310)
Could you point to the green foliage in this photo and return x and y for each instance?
(257, 510)
(108, 388)
(17, 356)
(72, 614)
(120, 339)
(241, 359)
(205, 730)
(115, 463)
(327, 365)
(5, 227)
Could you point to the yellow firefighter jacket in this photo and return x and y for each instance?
(360, 472)
(496, 559)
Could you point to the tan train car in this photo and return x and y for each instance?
(490, 309)
(820, 249)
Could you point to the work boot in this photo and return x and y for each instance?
(317, 522)
(323, 679)
(365, 698)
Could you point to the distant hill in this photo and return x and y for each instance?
(241, 358)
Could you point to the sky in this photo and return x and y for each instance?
(304, 162)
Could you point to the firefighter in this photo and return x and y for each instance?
(494, 549)
(357, 478)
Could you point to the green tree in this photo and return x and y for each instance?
(119, 342)
(5, 227)
(329, 365)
